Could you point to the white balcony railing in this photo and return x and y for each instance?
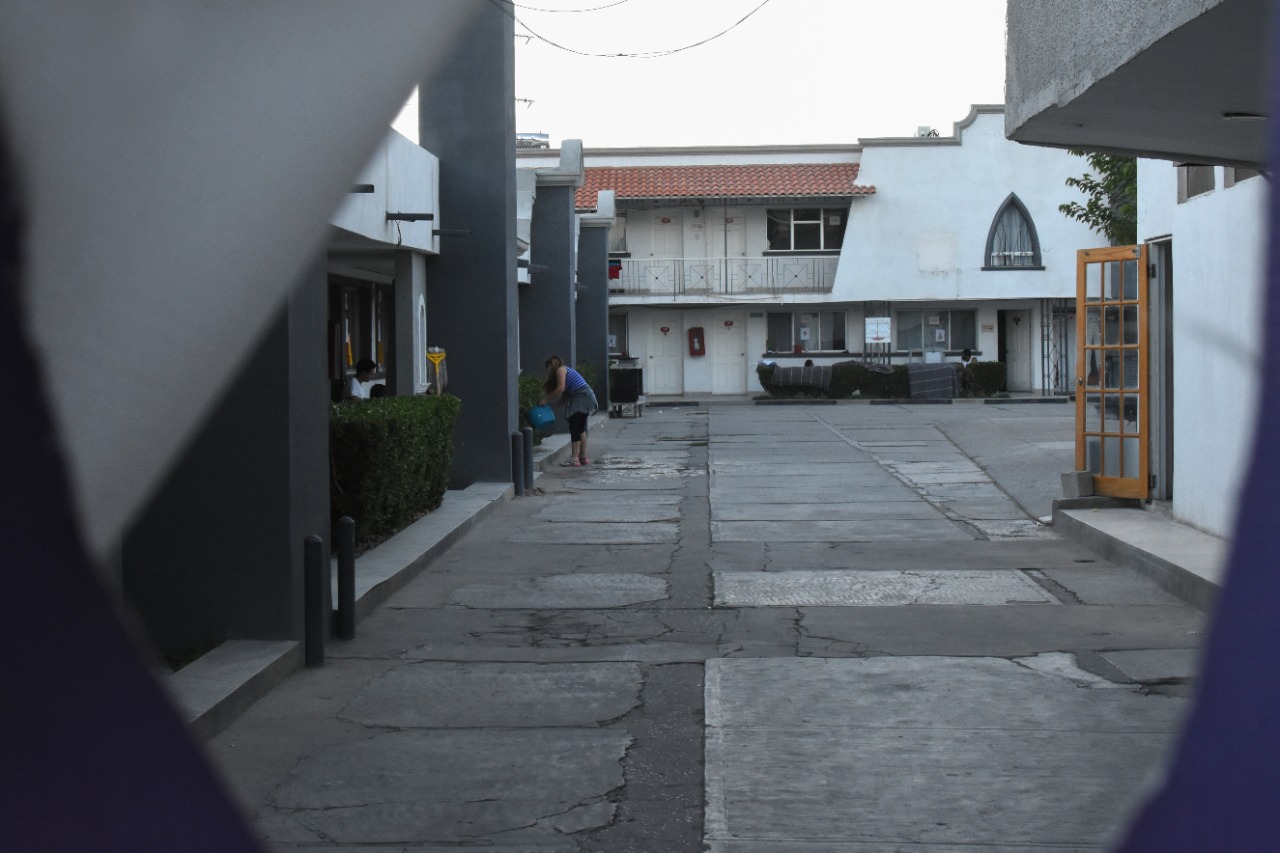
(775, 274)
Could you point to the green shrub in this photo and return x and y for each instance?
(765, 374)
(588, 372)
(390, 460)
(982, 379)
(528, 393)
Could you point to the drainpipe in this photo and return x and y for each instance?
(724, 225)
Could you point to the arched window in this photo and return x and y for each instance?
(1012, 242)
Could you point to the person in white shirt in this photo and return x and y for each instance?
(356, 388)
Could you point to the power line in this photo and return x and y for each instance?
(648, 54)
(593, 9)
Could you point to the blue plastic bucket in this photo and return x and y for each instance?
(541, 417)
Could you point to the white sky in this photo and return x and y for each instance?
(797, 71)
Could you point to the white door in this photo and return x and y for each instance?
(727, 346)
(1017, 336)
(665, 372)
(726, 241)
(668, 235)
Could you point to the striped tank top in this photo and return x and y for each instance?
(573, 381)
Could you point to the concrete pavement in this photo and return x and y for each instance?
(745, 629)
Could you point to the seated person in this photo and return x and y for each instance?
(355, 388)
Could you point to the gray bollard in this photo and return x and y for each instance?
(527, 432)
(346, 578)
(314, 578)
(517, 462)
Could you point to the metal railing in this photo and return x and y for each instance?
(720, 276)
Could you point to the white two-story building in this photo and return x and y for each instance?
(899, 249)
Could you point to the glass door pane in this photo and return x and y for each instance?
(1111, 433)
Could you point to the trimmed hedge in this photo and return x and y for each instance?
(846, 377)
(389, 460)
(982, 379)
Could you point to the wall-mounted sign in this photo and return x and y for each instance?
(877, 330)
(988, 328)
(665, 329)
(728, 324)
(666, 220)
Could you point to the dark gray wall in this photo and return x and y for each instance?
(593, 306)
(217, 552)
(547, 305)
(467, 119)
(400, 370)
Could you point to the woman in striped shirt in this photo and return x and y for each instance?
(567, 385)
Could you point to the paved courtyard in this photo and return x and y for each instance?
(745, 629)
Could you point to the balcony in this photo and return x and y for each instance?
(774, 275)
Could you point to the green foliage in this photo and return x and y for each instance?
(588, 372)
(1111, 191)
(528, 393)
(982, 379)
(390, 460)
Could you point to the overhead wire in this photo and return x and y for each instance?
(592, 9)
(508, 9)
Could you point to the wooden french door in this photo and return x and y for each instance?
(1112, 393)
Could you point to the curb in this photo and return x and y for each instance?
(212, 691)
(1187, 563)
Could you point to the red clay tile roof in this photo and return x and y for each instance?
(761, 180)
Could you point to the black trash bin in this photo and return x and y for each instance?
(626, 391)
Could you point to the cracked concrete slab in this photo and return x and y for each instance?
(1151, 665)
(1054, 554)
(727, 492)
(953, 491)
(496, 695)
(563, 591)
(1065, 665)
(1103, 585)
(981, 510)
(837, 468)
(876, 589)
(1010, 631)
(821, 749)
(597, 533)
(628, 511)
(586, 480)
(828, 511)
(1014, 528)
(932, 480)
(852, 530)
(1003, 755)
(453, 786)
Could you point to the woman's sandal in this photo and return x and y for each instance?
(571, 463)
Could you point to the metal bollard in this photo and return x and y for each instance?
(517, 462)
(314, 578)
(346, 578)
(527, 432)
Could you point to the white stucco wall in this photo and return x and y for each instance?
(923, 235)
(1219, 269)
(406, 179)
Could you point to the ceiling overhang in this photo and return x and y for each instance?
(1188, 85)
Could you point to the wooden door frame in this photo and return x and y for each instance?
(1115, 486)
